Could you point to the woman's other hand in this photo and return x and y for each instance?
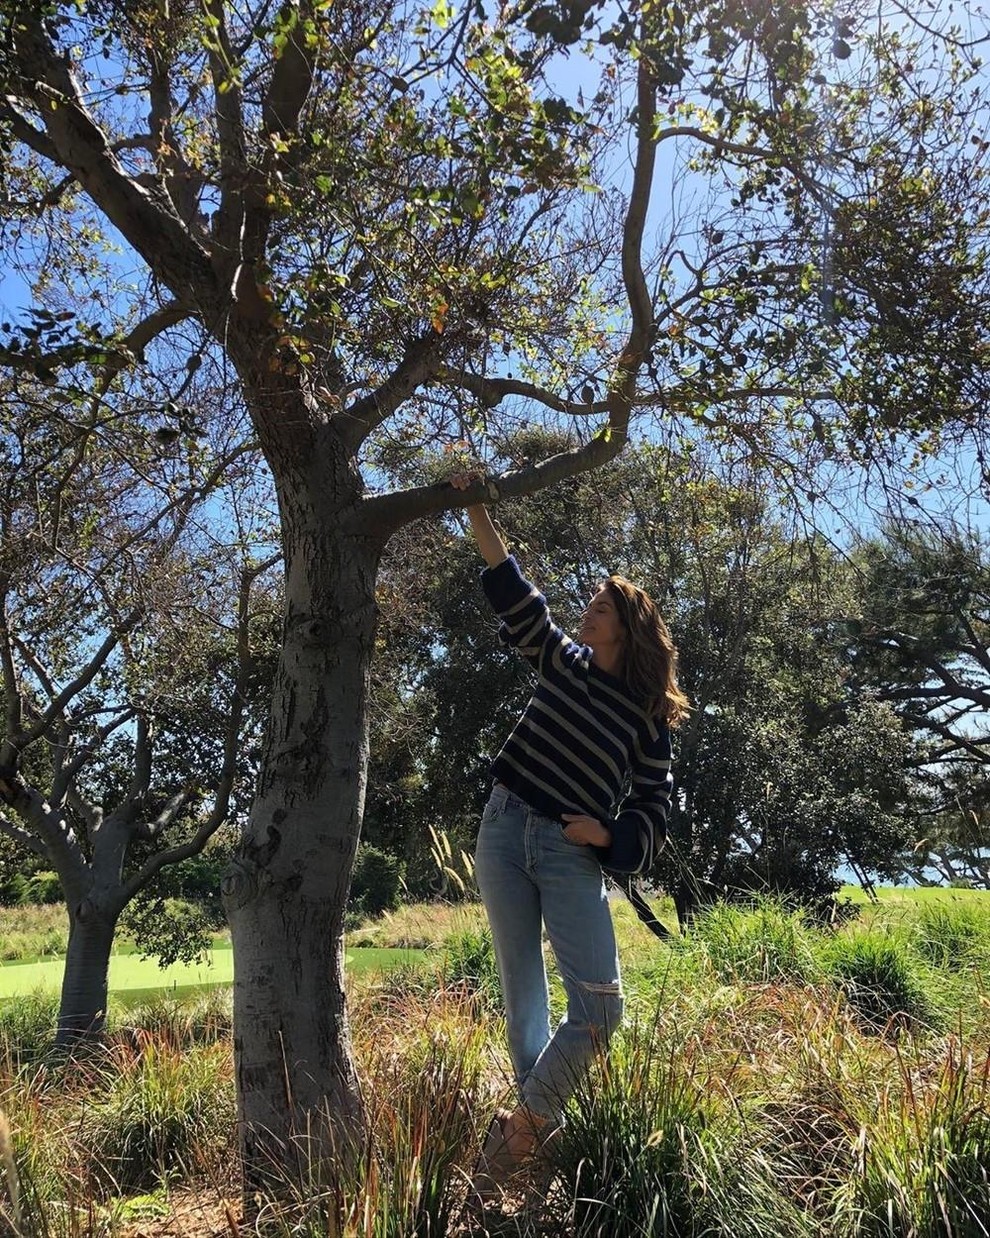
(587, 830)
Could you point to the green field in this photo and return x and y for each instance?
(133, 978)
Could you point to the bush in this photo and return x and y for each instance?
(376, 883)
(648, 1150)
(951, 935)
(923, 1169)
(163, 1107)
(760, 944)
(880, 980)
(27, 1028)
(42, 889)
(469, 960)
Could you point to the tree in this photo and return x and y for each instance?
(362, 210)
(125, 690)
(919, 640)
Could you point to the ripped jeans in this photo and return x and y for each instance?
(529, 872)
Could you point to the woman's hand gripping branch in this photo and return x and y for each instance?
(493, 549)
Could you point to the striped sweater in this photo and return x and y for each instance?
(582, 738)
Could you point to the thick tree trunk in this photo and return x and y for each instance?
(83, 1007)
(298, 1093)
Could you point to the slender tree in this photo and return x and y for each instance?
(106, 644)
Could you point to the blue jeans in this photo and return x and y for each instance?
(529, 872)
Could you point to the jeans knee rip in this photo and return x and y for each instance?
(610, 988)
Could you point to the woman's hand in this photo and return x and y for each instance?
(587, 830)
(464, 481)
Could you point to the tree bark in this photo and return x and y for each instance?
(299, 1098)
(83, 1007)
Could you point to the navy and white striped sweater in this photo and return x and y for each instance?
(582, 735)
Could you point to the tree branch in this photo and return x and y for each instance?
(419, 364)
(23, 837)
(13, 715)
(63, 784)
(22, 129)
(491, 391)
(78, 144)
(228, 105)
(141, 780)
(819, 192)
(81, 681)
(173, 806)
(181, 183)
(387, 512)
(292, 79)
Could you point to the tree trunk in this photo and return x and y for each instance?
(83, 1007)
(299, 1101)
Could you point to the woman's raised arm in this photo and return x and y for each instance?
(493, 549)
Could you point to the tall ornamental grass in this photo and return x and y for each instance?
(772, 1079)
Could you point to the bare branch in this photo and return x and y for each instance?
(490, 391)
(63, 784)
(22, 129)
(141, 780)
(13, 716)
(173, 806)
(81, 681)
(92, 814)
(389, 511)
(820, 193)
(420, 363)
(179, 178)
(23, 837)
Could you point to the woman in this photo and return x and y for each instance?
(601, 715)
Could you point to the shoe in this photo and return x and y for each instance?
(496, 1161)
(513, 1160)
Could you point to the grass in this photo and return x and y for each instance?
(772, 1079)
(135, 979)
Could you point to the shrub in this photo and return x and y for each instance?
(923, 1164)
(42, 889)
(27, 1028)
(880, 980)
(647, 1150)
(952, 934)
(205, 1018)
(760, 944)
(469, 960)
(377, 881)
(162, 1109)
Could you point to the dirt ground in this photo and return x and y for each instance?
(191, 1214)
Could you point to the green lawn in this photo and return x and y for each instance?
(132, 977)
(914, 894)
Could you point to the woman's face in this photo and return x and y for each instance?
(601, 627)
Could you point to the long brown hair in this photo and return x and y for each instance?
(649, 657)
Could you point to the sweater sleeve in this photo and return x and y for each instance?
(639, 828)
(526, 622)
